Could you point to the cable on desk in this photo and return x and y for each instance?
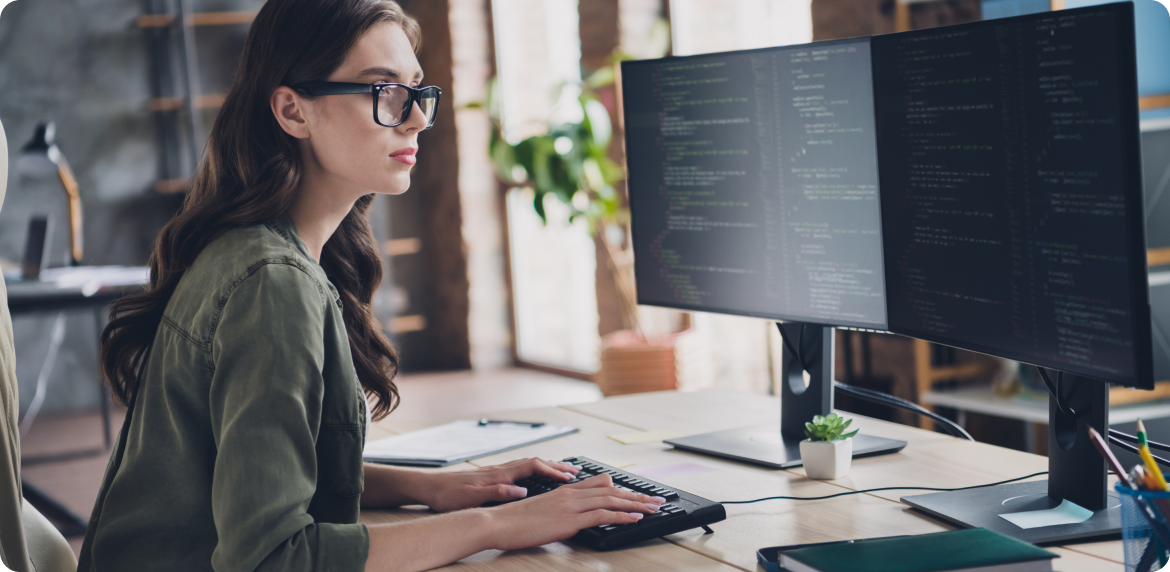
(888, 489)
(875, 396)
(1134, 449)
(897, 402)
(1133, 439)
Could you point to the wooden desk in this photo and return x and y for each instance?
(930, 459)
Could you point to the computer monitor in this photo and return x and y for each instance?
(754, 184)
(1013, 225)
(754, 191)
(1011, 191)
(1009, 208)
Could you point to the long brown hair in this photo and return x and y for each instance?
(250, 173)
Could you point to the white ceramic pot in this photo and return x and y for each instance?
(826, 460)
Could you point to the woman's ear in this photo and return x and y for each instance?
(290, 111)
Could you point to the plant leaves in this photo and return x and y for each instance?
(538, 204)
(598, 120)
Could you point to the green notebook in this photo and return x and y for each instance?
(968, 550)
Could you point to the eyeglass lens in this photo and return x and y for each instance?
(393, 101)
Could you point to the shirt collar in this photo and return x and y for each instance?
(285, 227)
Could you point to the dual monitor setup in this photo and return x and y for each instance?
(977, 186)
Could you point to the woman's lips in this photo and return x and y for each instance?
(405, 155)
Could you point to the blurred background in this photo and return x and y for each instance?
(508, 278)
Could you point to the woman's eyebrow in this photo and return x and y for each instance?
(387, 72)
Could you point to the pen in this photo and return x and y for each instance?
(533, 424)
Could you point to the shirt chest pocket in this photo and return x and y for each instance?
(339, 459)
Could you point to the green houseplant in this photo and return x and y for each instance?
(571, 162)
(828, 450)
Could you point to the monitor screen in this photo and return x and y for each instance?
(1011, 193)
(753, 183)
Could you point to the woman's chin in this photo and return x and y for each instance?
(395, 186)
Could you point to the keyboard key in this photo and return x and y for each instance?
(654, 516)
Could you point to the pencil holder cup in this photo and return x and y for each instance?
(1145, 528)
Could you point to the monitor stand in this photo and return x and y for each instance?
(1075, 472)
(779, 447)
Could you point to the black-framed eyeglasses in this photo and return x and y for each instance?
(392, 101)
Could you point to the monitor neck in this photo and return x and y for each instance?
(799, 403)
(1076, 471)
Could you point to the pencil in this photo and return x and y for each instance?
(1114, 464)
(1148, 458)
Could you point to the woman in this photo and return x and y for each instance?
(245, 362)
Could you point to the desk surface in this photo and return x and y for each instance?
(930, 459)
(74, 287)
(982, 399)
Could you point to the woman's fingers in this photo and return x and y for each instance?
(603, 485)
(559, 471)
(614, 502)
(501, 493)
(523, 468)
(601, 516)
(602, 480)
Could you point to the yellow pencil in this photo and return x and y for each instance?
(1148, 459)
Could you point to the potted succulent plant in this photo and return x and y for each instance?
(828, 450)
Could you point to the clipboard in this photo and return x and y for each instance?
(458, 441)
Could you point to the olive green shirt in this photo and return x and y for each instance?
(244, 451)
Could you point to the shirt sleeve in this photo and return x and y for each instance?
(265, 398)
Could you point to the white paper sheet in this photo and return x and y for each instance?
(458, 440)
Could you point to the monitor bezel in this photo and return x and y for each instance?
(712, 309)
(1135, 216)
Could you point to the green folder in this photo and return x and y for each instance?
(972, 549)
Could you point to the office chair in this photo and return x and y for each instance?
(28, 541)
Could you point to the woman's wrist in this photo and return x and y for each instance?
(418, 486)
(490, 526)
(387, 487)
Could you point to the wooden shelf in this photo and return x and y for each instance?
(401, 246)
(404, 324)
(171, 186)
(206, 101)
(196, 19)
(1158, 256)
(1153, 101)
(155, 20)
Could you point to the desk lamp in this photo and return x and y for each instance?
(43, 146)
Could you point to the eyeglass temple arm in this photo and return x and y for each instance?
(334, 88)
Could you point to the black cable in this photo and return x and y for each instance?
(1055, 391)
(889, 489)
(877, 396)
(1134, 439)
(792, 350)
(897, 402)
(1133, 449)
(800, 349)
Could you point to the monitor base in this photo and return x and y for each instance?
(764, 445)
(980, 508)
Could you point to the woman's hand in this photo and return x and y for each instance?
(466, 489)
(559, 514)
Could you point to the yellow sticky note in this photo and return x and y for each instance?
(642, 436)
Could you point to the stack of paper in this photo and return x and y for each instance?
(458, 441)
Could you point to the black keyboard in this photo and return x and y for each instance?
(681, 511)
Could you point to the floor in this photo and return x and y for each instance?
(75, 483)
